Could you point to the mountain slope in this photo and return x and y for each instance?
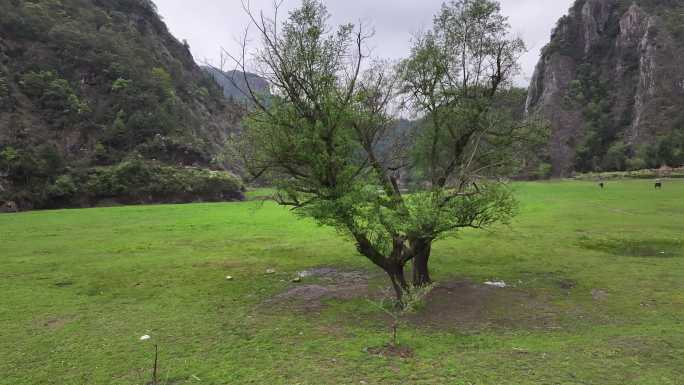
(612, 86)
(86, 83)
(235, 86)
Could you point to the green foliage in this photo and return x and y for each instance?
(616, 156)
(324, 138)
(29, 171)
(63, 187)
(95, 74)
(118, 130)
(29, 164)
(120, 84)
(137, 181)
(28, 20)
(637, 171)
(54, 94)
(8, 156)
(636, 163)
(666, 150)
(162, 83)
(35, 84)
(599, 148)
(564, 38)
(41, 180)
(544, 170)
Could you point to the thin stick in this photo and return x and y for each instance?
(394, 335)
(154, 371)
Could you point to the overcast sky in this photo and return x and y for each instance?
(209, 25)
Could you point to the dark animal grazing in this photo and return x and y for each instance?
(602, 185)
(658, 185)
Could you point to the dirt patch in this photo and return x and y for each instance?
(459, 304)
(566, 283)
(321, 284)
(465, 305)
(390, 350)
(306, 293)
(55, 323)
(599, 295)
(335, 275)
(224, 265)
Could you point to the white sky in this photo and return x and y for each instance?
(208, 25)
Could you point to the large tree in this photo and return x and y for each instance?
(459, 77)
(328, 140)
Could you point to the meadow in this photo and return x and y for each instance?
(594, 295)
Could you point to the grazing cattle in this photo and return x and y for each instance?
(602, 185)
(659, 184)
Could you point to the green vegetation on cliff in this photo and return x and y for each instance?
(611, 83)
(87, 83)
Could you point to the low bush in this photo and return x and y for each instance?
(130, 182)
(636, 174)
(137, 181)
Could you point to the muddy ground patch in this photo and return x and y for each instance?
(454, 304)
(462, 304)
(321, 284)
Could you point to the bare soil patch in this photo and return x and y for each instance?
(326, 283)
(224, 265)
(456, 304)
(55, 323)
(390, 350)
(466, 305)
(599, 295)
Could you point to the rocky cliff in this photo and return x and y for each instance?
(611, 82)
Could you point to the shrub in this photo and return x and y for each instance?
(138, 181)
(543, 171)
(7, 157)
(64, 187)
(53, 93)
(637, 163)
(120, 84)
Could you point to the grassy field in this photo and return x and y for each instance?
(595, 296)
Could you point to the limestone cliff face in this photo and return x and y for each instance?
(610, 82)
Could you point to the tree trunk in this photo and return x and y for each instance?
(393, 264)
(421, 272)
(396, 275)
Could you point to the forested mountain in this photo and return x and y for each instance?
(100, 89)
(612, 84)
(236, 85)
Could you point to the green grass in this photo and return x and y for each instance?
(79, 287)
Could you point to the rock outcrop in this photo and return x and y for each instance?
(611, 84)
